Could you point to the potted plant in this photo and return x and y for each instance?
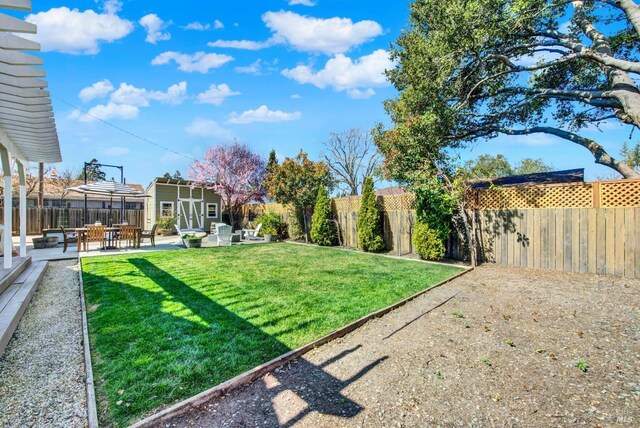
(272, 226)
(52, 242)
(190, 240)
(39, 243)
(166, 224)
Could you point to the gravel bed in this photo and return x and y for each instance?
(42, 370)
(502, 352)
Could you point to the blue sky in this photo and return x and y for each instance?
(278, 74)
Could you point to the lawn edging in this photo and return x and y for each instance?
(251, 375)
(389, 256)
(92, 410)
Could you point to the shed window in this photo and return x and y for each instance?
(212, 210)
(166, 209)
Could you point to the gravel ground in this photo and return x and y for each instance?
(42, 370)
(502, 352)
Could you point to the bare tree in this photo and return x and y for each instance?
(61, 184)
(351, 156)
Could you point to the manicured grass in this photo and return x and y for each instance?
(167, 325)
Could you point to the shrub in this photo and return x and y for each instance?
(272, 224)
(369, 225)
(167, 222)
(427, 243)
(323, 231)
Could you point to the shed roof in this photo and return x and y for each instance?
(27, 124)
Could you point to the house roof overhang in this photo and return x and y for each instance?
(27, 124)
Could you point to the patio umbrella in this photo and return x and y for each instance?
(108, 188)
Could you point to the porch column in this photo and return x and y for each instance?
(8, 208)
(23, 209)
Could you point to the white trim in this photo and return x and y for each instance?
(23, 209)
(217, 208)
(8, 203)
(173, 207)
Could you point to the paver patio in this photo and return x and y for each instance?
(507, 359)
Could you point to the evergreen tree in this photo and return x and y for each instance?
(272, 162)
(369, 225)
(323, 231)
(94, 173)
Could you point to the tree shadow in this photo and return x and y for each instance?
(285, 396)
(166, 343)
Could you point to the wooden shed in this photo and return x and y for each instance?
(196, 207)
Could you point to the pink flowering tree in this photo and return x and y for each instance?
(234, 172)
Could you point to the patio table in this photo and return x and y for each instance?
(111, 231)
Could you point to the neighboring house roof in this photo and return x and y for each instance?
(554, 177)
(392, 191)
(53, 190)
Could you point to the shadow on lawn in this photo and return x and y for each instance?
(188, 339)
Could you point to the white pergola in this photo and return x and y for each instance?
(27, 126)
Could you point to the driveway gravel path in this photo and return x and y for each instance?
(502, 352)
(42, 370)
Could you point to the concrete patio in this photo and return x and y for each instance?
(163, 243)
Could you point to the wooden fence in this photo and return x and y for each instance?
(602, 241)
(49, 217)
(576, 227)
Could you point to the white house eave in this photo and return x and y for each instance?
(16, 4)
(27, 123)
(19, 58)
(15, 25)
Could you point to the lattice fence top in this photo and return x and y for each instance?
(605, 194)
(622, 193)
(574, 195)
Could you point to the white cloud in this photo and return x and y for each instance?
(140, 97)
(307, 34)
(329, 36)
(344, 74)
(126, 101)
(216, 94)
(358, 94)
(248, 45)
(112, 6)
(116, 151)
(301, 2)
(200, 62)
(254, 68)
(106, 112)
(79, 33)
(154, 26)
(197, 26)
(206, 128)
(98, 90)
(263, 114)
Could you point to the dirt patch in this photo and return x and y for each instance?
(502, 352)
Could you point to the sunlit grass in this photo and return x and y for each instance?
(167, 325)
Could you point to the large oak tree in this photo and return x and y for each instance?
(470, 70)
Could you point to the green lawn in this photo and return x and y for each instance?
(167, 325)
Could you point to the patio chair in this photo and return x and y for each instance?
(95, 234)
(151, 234)
(252, 234)
(69, 238)
(224, 235)
(128, 234)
